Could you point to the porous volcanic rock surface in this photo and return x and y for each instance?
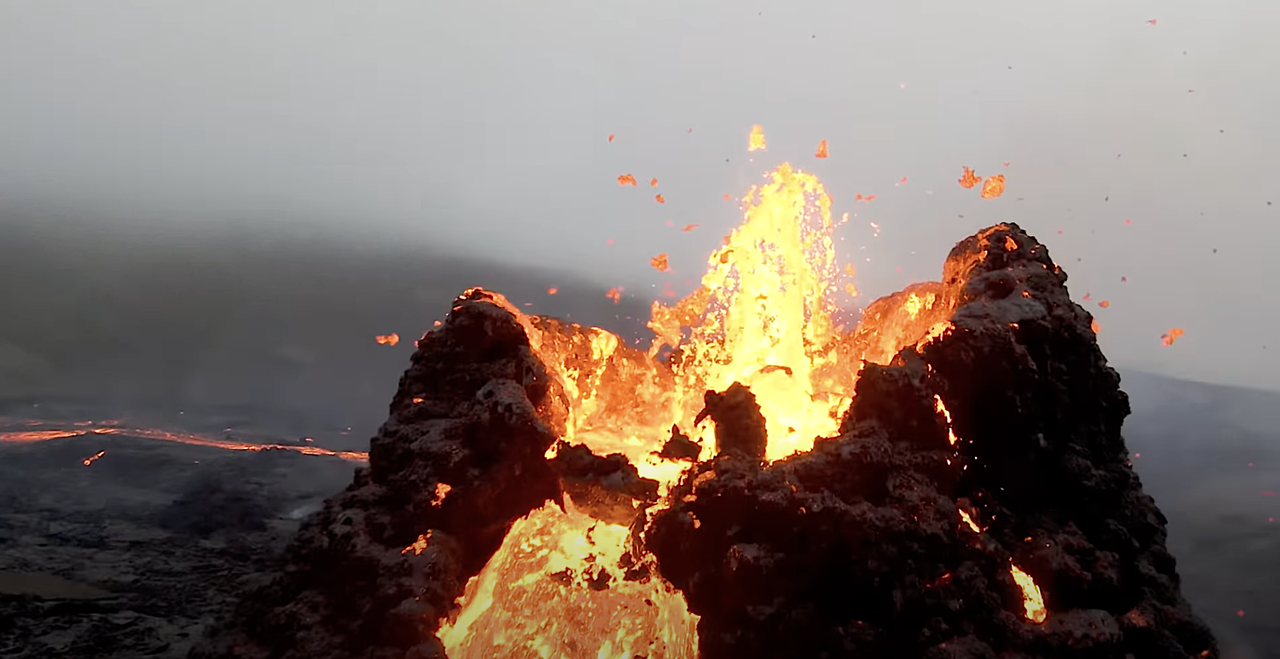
(476, 412)
(855, 549)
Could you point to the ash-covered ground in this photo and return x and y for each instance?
(136, 554)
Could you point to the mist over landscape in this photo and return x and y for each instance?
(282, 326)
(209, 213)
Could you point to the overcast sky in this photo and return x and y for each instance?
(482, 126)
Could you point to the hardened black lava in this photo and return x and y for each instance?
(854, 549)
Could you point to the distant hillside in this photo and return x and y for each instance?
(284, 324)
(1210, 455)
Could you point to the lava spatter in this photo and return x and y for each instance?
(567, 528)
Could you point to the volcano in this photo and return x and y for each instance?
(945, 479)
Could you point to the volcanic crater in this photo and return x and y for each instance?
(945, 479)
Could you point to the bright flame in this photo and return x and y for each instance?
(755, 141)
(951, 434)
(762, 317)
(565, 564)
(1032, 598)
(913, 305)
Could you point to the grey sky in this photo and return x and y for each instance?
(481, 126)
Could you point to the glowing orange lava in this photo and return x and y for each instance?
(1172, 335)
(1032, 597)
(763, 316)
(993, 187)
(755, 141)
(942, 409)
(91, 428)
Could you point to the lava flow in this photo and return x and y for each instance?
(36, 430)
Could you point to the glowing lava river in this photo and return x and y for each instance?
(27, 431)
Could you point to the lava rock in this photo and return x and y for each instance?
(680, 447)
(740, 427)
(857, 548)
(460, 458)
(982, 451)
(608, 488)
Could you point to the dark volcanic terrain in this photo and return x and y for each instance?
(136, 554)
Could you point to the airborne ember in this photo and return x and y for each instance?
(945, 479)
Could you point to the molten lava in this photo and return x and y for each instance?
(543, 489)
(1032, 599)
(763, 318)
(51, 430)
(755, 141)
(567, 584)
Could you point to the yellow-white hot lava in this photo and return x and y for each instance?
(762, 316)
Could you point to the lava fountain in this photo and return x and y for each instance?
(761, 317)
(945, 479)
